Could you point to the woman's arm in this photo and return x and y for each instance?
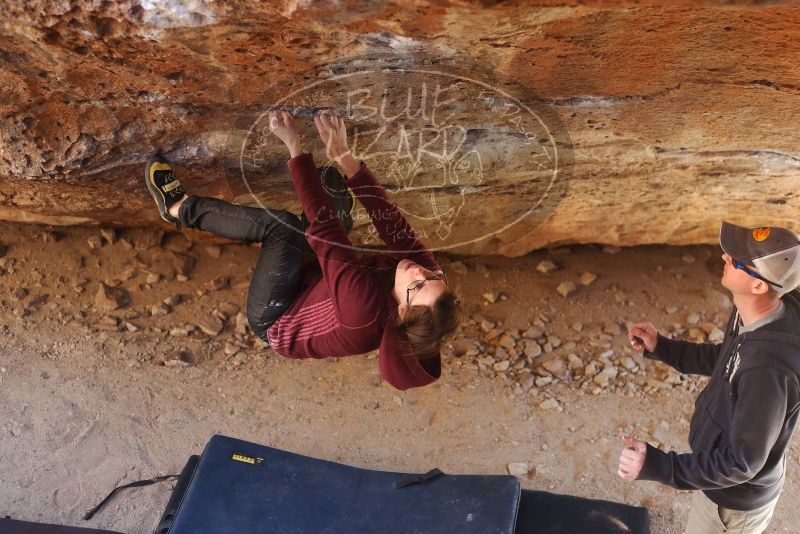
(346, 281)
(393, 228)
(350, 165)
(355, 291)
(283, 125)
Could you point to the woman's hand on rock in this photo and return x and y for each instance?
(283, 125)
(333, 133)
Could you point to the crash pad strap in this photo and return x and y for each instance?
(14, 526)
(137, 484)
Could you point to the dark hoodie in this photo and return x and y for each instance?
(745, 416)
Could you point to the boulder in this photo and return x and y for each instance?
(656, 100)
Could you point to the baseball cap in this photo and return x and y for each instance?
(773, 251)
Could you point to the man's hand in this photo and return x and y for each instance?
(632, 458)
(283, 125)
(333, 133)
(646, 332)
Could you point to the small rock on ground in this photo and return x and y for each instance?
(517, 469)
(111, 298)
(565, 289)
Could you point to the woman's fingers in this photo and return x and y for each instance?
(324, 132)
(331, 130)
(319, 120)
(332, 119)
(327, 122)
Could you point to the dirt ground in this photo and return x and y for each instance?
(91, 397)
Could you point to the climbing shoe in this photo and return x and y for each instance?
(164, 186)
(342, 199)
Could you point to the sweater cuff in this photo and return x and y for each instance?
(359, 177)
(656, 465)
(303, 162)
(306, 179)
(657, 354)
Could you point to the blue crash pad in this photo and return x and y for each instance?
(244, 487)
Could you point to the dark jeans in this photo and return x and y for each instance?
(276, 279)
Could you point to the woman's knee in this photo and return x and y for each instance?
(257, 324)
(281, 225)
(261, 317)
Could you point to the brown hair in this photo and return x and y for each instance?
(426, 327)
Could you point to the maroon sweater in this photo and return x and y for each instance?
(343, 308)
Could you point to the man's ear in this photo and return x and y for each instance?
(759, 287)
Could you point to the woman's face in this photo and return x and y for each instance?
(408, 272)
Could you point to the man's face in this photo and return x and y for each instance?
(739, 282)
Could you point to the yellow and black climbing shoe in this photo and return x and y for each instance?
(164, 186)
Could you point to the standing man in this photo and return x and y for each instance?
(746, 415)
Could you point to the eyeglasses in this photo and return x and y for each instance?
(739, 265)
(417, 284)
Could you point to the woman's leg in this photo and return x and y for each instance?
(245, 223)
(275, 282)
(232, 221)
(276, 278)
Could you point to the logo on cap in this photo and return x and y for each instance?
(760, 234)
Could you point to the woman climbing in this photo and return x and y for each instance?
(341, 304)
